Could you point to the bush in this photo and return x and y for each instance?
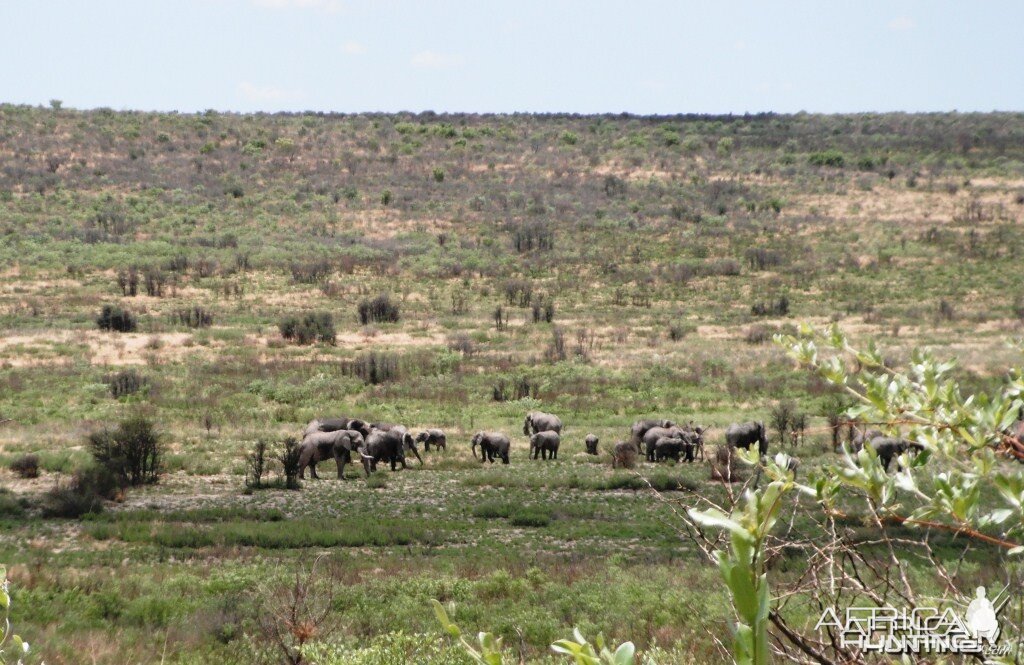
(26, 466)
(256, 465)
(84, 493)
(193, 317)
(310, 272)
(117, 319)
(126, 382)
(373, 367)
(832, 158)
(380, 309)
(11, 506)
(289, 459)
(132, 452)
(309, 328)
(777, 307)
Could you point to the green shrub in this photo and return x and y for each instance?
(133, 452)
(832, 158)
(318, 326)
(380, 309)
(115, 318)
(289, 459)
(26, 466)
(83, 494)
(126, 382)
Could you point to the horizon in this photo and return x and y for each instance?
(454, 56)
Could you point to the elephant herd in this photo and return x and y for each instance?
(656, 439)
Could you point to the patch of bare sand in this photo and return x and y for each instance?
(33, 349)
(918, 208)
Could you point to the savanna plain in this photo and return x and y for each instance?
(227, 278)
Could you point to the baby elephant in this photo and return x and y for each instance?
(670, 447)
(543, 443)
(432, 437)
(320, 446)
(624, 454)
(889, 448)
(591, 443)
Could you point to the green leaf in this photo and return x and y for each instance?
(718, 519)
(624, 654)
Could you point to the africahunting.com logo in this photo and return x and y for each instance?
(921, 630)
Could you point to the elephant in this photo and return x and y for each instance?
(640, 428)
(335, 424)
(860, 438)
(651, 436)
(538, 421)
(320, 446)
(889, 447)
(1013, 440)
(591, 443)
(745, 434)
(432, 437)
(670, 447)
(389, 445)
(492, 444)
(545, 445)
(624, 454)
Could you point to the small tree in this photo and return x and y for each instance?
(256, 465)
(289, 459)
(133, 451)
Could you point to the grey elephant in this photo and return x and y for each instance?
(335, 424)
(889, 447)
(651, 436)
(694, 438)
(591, 443)
(545, 445)
(669, 447)
(432, 437)
(492, 444)
(321, 446)
(641, 427)
(538, 421)
(860, 438)
(743, 435)
(390, 445)
(624, 454)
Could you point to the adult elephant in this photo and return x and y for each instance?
(335, 424)
(889, 447)
(432, 437)
(320, 446)
(390, 445)
(492, 444)
(641, 427)
(650, 438)
(591, 443)
(545, 444)
(538, 421)
(743, 435)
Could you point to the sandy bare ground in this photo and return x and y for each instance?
(65, 347)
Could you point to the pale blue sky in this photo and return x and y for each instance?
(557, 55)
